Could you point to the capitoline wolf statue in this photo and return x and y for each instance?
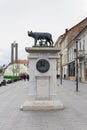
(43, 37)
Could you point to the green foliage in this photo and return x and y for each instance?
(11, 77)
(4, 82)
(1, 70)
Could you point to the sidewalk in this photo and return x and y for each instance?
(73, 117)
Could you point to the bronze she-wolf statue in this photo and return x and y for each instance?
(41, 36)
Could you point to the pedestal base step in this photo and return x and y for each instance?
(42, 105)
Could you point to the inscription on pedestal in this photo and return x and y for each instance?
(42, 91)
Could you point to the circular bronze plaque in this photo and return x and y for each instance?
(42, 65)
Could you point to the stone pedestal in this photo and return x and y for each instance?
(42, 85)
(42, 88)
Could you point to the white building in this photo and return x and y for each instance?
(82, 53)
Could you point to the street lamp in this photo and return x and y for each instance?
(60, 68)
(76, 51)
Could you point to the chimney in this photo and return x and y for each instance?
(66, 30)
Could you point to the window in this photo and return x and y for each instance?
(83, 44)
(80, 46)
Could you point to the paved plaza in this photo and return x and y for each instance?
(73, 117)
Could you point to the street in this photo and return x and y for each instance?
(73, 117)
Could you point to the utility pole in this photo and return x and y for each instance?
(76, 66)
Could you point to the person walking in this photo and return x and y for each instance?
(24, 77)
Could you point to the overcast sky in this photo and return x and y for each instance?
(19, 16)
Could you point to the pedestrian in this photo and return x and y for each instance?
(64, 76)
(57, 76)
(24, 77)
(27, 77)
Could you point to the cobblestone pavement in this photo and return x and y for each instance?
(73, 117)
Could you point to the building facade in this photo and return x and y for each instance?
(67, 44)
(82, 54)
